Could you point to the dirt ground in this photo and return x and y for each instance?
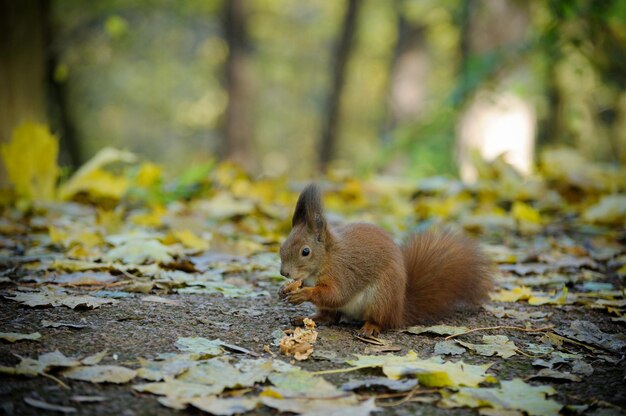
(133, 328)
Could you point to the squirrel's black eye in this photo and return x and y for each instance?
(306, 251)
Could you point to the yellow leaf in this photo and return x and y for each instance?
(110, 220)
(80, 252)
(75, 236)
(149, 174)
(270, 392)
(95, 181)
(525, 213)
(152, 219)
(558, 299)
(611, 209)
(518, 293)
(57, 235)
(30, 159)
(190, 240)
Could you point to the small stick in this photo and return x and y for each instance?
(53, 378)
(525, 354)
(408, 397)
(371, 340)
(337, 370)
(489, 328)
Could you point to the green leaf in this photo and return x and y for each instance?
(511, 395)
(499, 345)
(204, 347)
(432, 372)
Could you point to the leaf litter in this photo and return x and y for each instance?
(80, 257)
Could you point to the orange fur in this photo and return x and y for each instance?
(445, 270)
(357, 271)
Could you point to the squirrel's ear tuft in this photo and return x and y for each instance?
(309, 209)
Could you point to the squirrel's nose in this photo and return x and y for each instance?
(283, 272)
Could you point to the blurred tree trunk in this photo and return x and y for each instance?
(409, 68)
(237, 127)
(22, 64)
(609, 60)
(58, 109)
(494, 120)
(343, 50)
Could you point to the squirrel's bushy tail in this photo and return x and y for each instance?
(445, 270)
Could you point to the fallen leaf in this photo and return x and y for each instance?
(520, 315)
(31, 367)
(205, 348)
(432, 372)
(14, 336)
(191, 240)
(315, 407)
(224, 406)
(449, 347)
(176, 389)
(589, 333)
(518, 293)
(300, 383)
(139, 252)
(30, 161)
(95, 358)
(559, 298)
(218, 372)
(395, 385)
(170, 367)
(511, 395)
(554, 375)
(437, 330)
(40, 404)
(101, 374)
(92, 179)
(499, 345)
(55, 296)
(611, 209)
(525, 213)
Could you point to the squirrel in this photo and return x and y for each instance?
(358, 272)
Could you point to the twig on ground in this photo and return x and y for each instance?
(491, 328)
(407, 396)
(56, 380)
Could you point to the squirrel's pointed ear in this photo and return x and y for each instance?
(309, 210)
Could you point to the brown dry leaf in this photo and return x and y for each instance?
(300, 342)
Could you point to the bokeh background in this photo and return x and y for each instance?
(287, 87)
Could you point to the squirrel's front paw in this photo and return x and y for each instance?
(288, 288)
(299, 296)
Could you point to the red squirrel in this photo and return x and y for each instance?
(359, 272)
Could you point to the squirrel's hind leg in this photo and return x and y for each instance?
(370, 329)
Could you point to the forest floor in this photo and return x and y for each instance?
(124, 293)
(135, 328)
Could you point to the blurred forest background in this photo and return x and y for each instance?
(287, 87)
